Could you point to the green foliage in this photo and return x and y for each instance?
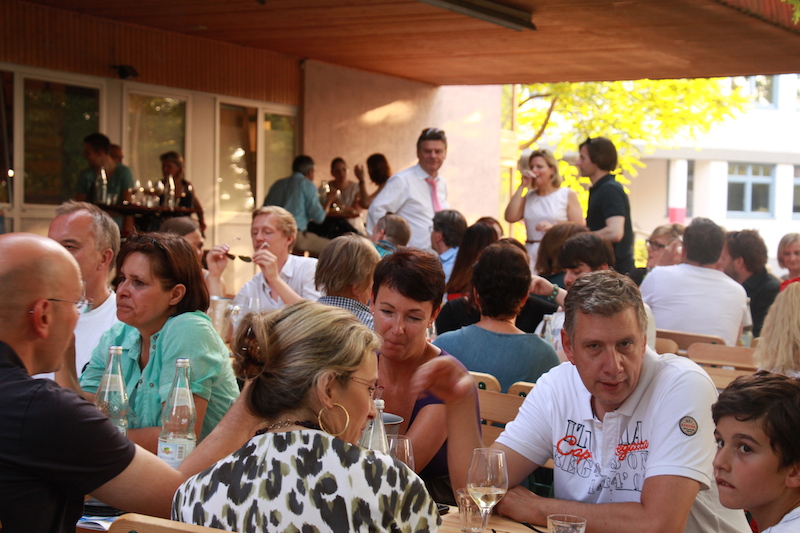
(795, 7)
(638, 116)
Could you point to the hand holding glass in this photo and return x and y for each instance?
(487, 480)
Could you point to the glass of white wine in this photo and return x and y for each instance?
(487, 480)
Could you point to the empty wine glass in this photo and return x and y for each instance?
(400, 449)
(487, 480)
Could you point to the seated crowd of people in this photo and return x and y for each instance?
(637, 439)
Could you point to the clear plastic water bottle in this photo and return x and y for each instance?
(111, 398)
(177, 438)
(374, 437)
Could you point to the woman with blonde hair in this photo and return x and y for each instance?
(313, 374)
(778, 347)
(789, 254)
(545, 203)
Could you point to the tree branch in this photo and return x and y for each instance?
(545, 122)
(531, 97)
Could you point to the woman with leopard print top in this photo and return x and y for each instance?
(313, 373)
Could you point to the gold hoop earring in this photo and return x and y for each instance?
(322, 426)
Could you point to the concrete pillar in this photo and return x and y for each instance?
(678, 176)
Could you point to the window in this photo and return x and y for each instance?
(57, 118)
(155, 125)
(796, 203)
(237, 157)
(761, 88)
(750, 189)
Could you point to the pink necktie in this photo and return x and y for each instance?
(434, 197)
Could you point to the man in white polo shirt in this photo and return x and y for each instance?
(629, 432)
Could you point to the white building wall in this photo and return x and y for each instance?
(760, 135)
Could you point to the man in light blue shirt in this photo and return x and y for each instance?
(298, 195)
(448, 229)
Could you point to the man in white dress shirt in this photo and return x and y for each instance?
(284, 278)
(416, 193)
(92, 237)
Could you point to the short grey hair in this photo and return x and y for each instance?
(106, 231)
(347, 260)
(604, 293)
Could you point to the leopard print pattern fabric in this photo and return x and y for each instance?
(306, 481)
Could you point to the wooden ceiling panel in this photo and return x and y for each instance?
(577, 40)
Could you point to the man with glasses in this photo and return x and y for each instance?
(92, 237)
(416, 193)
(694, 296)
(609, 212)
(744, 259)
(55, 447)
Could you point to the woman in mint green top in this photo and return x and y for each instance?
(160, 299)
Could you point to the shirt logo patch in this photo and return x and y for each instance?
(688, 426)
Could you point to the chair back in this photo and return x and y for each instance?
(684, 339)
(737, 357)
(521, 388)
(666, 346)
(496, 408)
(485, 381)
(722, 376)
(139, 523)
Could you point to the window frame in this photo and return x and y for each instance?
(749, 180)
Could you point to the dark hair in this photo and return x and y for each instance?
(502, 277)
(302, 164)
(493, 222)
(431, 134)
(602, 152)
(173, 261)
(748, 245)
(703, 240)
(510, 241)
(378, 169)
(770, 400)
(603, 293)
(172, 157)
(477, 237)
(335, 161)
(413, 273)
(452, 224)
(98, 142)
(588, 248)
(547, 262)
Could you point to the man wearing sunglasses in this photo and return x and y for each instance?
(416, 193)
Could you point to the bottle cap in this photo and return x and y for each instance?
(379, 404)
(179, 363)
(115, 350)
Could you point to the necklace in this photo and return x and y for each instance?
(287, 423)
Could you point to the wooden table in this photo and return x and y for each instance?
(451, 524)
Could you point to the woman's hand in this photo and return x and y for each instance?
(358, 170)
(541, 286)
(544, 225)
(217, 259)
(527, 178)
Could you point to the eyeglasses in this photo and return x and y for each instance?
(82, 305)
(375, 390)
(655, 245)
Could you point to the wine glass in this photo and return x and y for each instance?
(487, 480)
(400, 449)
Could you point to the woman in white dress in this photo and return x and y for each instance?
(546, 202)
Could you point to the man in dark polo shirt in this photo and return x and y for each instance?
(609, 213)
(55, 447)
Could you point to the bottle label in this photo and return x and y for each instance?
(174, 451)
